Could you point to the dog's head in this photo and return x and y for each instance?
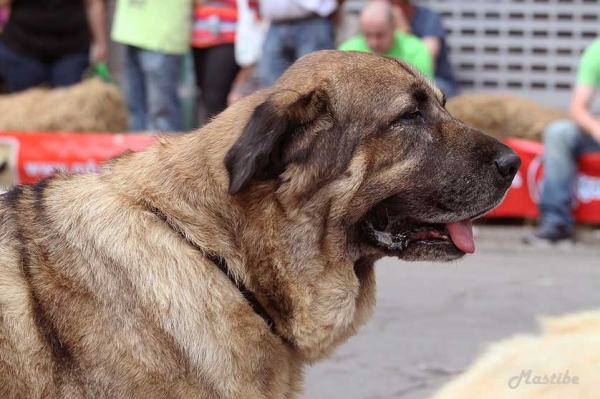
(365, 141)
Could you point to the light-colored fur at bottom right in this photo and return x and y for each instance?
(561, 363)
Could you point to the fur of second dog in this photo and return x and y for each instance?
(218, 263)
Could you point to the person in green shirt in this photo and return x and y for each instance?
(379, 35)
(564, 142)
(156, 35)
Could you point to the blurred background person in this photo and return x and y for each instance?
(156, 35)
(426, 24)
(51, 41)
(215, 66)
(297, 27)
(246, 82)
(348, 23)
(379, 35)
(564, 142)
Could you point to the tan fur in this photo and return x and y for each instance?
(100, 297)
(568, 343)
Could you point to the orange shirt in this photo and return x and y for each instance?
(214, 23)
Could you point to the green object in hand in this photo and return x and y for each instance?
(101, 70)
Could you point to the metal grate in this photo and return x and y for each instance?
(527, 47)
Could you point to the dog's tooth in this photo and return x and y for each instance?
(387, 238)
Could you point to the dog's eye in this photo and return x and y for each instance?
(411, 115)
(408, 116)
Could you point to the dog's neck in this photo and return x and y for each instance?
(221, 264)
(300, 284)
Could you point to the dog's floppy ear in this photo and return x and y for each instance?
(258, 153)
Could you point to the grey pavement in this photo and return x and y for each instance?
(433, 319)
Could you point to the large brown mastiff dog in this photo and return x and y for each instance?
(217, 264)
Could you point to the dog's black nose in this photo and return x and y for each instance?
(507, 164)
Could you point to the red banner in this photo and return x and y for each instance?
(28, 157)
(25, 158)
(524, 195)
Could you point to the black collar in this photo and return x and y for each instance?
(222, 265)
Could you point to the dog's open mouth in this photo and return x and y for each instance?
(394, 233)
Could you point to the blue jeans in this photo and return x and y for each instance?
(23, 72)
(150, 83)
(564, 142)
(288, 41)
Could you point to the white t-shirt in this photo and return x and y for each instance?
(278, 10)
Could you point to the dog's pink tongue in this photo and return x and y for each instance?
(461, 234)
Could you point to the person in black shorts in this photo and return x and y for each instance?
(51, 41)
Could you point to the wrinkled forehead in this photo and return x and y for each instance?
(358, 80)
(384, 83)
(401, 76)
